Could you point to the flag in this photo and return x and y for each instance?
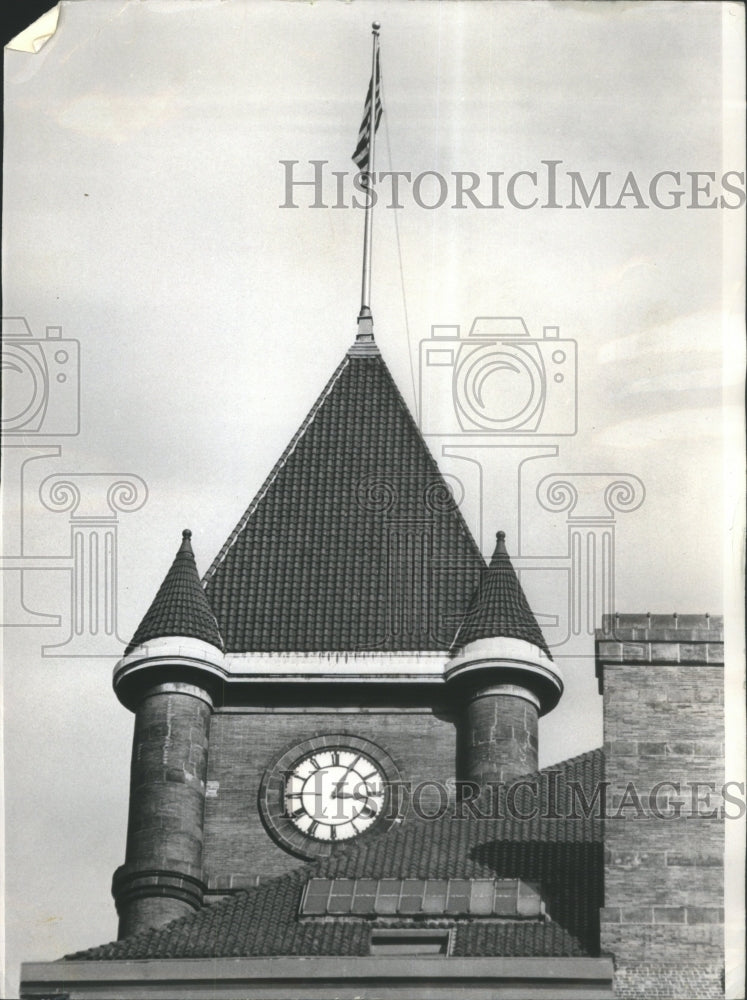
(360, 156)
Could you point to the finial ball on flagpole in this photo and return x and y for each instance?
(376, 25)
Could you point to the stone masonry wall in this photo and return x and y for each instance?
(167, 786)
(243, 744)
(497, 739)
(668, 982)
(662, 681)
(161, 876)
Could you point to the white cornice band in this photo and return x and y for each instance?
(513, 658)
(351, 667)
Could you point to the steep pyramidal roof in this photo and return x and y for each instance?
(180, 606)
(499, 606)
(354, 541)
(558, 846)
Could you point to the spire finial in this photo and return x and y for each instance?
(500, 550)
(186, 533)
(364, 344)
(186, 547)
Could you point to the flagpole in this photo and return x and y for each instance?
(365, 314)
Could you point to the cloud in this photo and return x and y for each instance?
(691, 380)
(699, 332)
(688, 424)
(117, 117)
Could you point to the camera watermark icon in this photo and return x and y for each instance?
(494, 402)
(41, 381)
(41, 401)
(498, 380)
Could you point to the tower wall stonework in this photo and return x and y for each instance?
(161, 878)
(662, 682)
(498, 737)
(246, 740)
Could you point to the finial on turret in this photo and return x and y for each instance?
(186, 547)
(500, 553)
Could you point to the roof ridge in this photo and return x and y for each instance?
(275, 470)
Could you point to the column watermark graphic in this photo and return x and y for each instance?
(93, 502)
(41, 402)
(591, 502)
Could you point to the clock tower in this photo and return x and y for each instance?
(346, 661)
(334, 788)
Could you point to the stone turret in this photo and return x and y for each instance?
(503, 673)
(169, 678)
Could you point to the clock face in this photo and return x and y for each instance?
(328, 789)
(334, 793)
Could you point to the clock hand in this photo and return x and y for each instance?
(343, 779)
(359, 794)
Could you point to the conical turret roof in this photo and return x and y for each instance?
(354, 542)
(180, 607)
(499, 606)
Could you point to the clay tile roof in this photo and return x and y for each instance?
(180, 606)
(354, 541)
(499, 606)
(563, 855)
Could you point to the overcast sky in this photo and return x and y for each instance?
(142, 214)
